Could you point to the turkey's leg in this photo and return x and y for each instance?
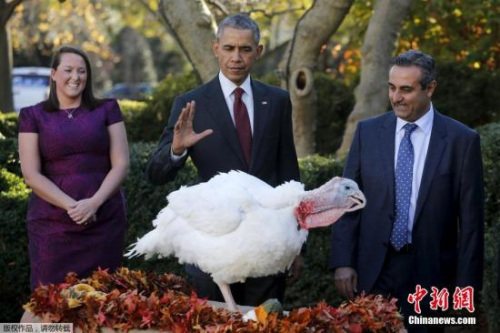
(228, 297)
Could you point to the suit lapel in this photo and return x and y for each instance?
(216, 107)
(437, 144)
(261, 106)
(386, 153)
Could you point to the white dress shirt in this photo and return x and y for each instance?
(228, 88)
(420, 138)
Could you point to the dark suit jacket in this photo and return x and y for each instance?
(274, 159)
(448, 226)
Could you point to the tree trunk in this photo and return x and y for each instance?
(194, 27)
(6, 101)
(378, 46)
(311, 32)
(6, 10)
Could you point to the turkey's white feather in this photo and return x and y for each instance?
(233, 227)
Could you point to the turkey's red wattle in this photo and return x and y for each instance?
(302, 211)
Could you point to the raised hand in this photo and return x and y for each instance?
(184, 135)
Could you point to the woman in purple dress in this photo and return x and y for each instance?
(74, 155)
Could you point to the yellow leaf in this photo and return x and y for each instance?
(73, 303)
(261, 314)
(43, 27)
(457, 12)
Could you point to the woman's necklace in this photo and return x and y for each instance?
(69, 112)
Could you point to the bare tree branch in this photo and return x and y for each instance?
(311, 33)
(145, 4)
(7, 9)
(168, 26)
(276, 13)
(193, 27)
(286, 74)
(220, 6)
(161, 10)
(378, 45)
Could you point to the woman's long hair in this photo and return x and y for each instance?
(88, 98)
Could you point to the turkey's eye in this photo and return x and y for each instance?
(347, 188)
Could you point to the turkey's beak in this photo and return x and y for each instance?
(358, 201)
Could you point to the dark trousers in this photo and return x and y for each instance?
(252, 292)
(397, 280)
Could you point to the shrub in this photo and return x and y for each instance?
(315, 170)
(169, 88)
(158, 108)
(8, 155)
(490, 146)
(145, 120)
(335, 102)
(490, 143)
(8, 125)
(468, 95)
(14, 261)
(139, 123)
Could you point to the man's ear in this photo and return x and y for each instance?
(260, 48)
(215, 48)
(431, 87)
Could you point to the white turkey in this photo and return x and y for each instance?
(236, 226)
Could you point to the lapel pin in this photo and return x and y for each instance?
(264, 103)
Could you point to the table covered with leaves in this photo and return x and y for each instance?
(130, 300)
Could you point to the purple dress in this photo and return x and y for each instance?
(74, 155)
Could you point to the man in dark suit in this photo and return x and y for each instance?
(423, 226)
(231, 123)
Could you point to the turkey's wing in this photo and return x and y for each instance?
(219, 206)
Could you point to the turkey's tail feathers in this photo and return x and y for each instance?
(149, 245)
(155, 242)
(133, 252)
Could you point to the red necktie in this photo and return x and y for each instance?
(242, 122)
